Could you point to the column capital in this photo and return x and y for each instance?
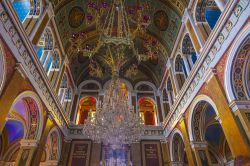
(101, 92)
(29, 143)
(133, 93)
(177, 163)
(198, 145)
(209, 74)
(237, 105)
(165, 140)
(218, 119)
(19, 67)
(67, 139)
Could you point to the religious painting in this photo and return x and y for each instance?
(80, 153)
(151, 153)
(161, 20)
(76, 17)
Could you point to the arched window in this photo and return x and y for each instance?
(180, 71)
(178, 150)
(189, 51)
(87, 107)
(207, 12)
(65, 94)
(44, 49)
(165, 102)
(63, 88)
(147, 109)
(170, 92)
(53, 147)
(54, 68)
(27, 10)
(22, 8)
(67, 101)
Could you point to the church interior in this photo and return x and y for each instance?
(124, 82)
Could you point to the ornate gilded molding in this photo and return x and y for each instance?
(151, 132)
(31, 67)
(209, 56)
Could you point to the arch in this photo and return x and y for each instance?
(203, 125)
(170, 91)
(196, 101)
(165, 102)
(35, 112)
(54, 145)
(67, 100)
(188, 50)
(54, 67)
(180, 70)
(24, 121)
(234, 51)
(87, 105)
(84, 83)
(56, 60)
(146, 83)
(63, 88)
(147, 107)
(176, 146)
(45, 45)
(207, 11)
(2, 67)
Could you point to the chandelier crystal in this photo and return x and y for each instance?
(115, 121)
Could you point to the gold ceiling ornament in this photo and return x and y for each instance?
(132, 71)
(113, 24)
(95, 70)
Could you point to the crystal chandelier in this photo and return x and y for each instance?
(115, 121)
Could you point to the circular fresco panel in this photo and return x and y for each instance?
(76, 17)
(161, 20)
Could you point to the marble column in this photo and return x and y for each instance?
(9, 94)
(48, 124)
(65, 151)
(241, 110)
(165, 152)
(201, 153)
(229, 125)
(186, 141)
(187, 67)
(26, 152)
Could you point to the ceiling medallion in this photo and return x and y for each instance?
(113, 24)
(76, 17)
(161, 20)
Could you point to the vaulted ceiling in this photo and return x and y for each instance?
(165, 19)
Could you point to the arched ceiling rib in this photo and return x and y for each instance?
(165, 23)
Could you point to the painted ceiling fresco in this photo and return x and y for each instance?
(165, 19)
